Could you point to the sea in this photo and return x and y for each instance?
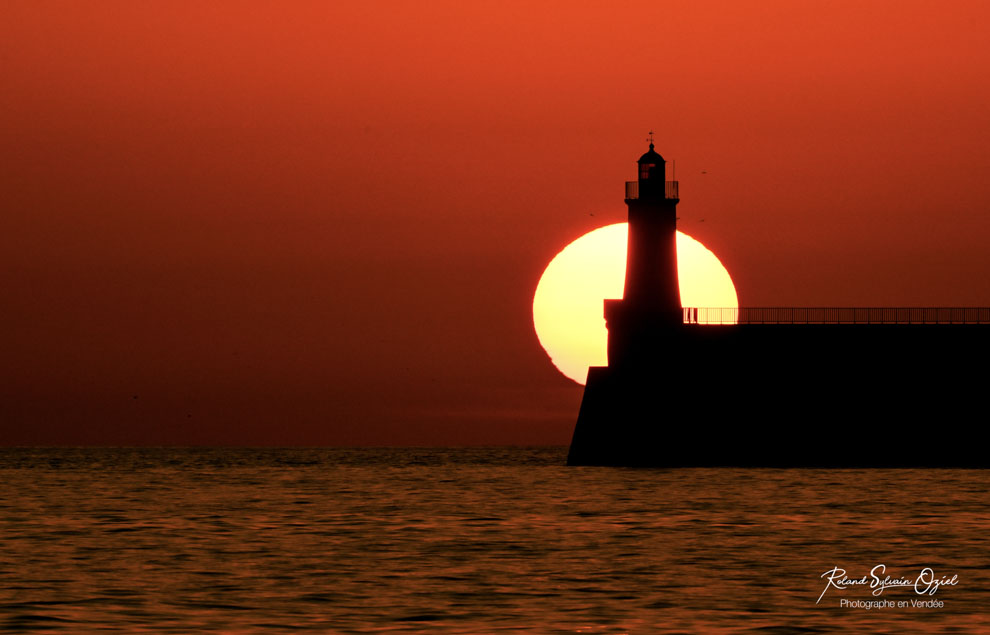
(480, 540)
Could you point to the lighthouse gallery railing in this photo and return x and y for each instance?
(838, 315)
(669, 190)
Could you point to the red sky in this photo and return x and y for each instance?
(323, 222)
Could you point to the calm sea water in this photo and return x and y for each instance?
(473, 541)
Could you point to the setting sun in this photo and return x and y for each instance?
(568, 304)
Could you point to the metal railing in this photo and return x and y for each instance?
(837, 315)
(670, 190)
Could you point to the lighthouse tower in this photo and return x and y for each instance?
(621, 418)
(651, 298)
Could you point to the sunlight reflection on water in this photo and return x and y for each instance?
(470, 541)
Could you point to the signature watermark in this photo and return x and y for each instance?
(926, 583)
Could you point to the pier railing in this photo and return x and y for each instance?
(838, 315)
(670, 190)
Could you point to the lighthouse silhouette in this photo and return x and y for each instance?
(772, 387)
(616, 423)
(651, 297)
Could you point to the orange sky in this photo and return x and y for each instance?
(322, 223)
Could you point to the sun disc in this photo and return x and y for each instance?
(568, 306)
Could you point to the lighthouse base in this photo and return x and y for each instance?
(792, 396)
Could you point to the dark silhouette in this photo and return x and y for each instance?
(782, 387)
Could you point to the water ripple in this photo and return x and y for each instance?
(469, 541)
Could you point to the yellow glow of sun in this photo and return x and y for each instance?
(568, 307)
